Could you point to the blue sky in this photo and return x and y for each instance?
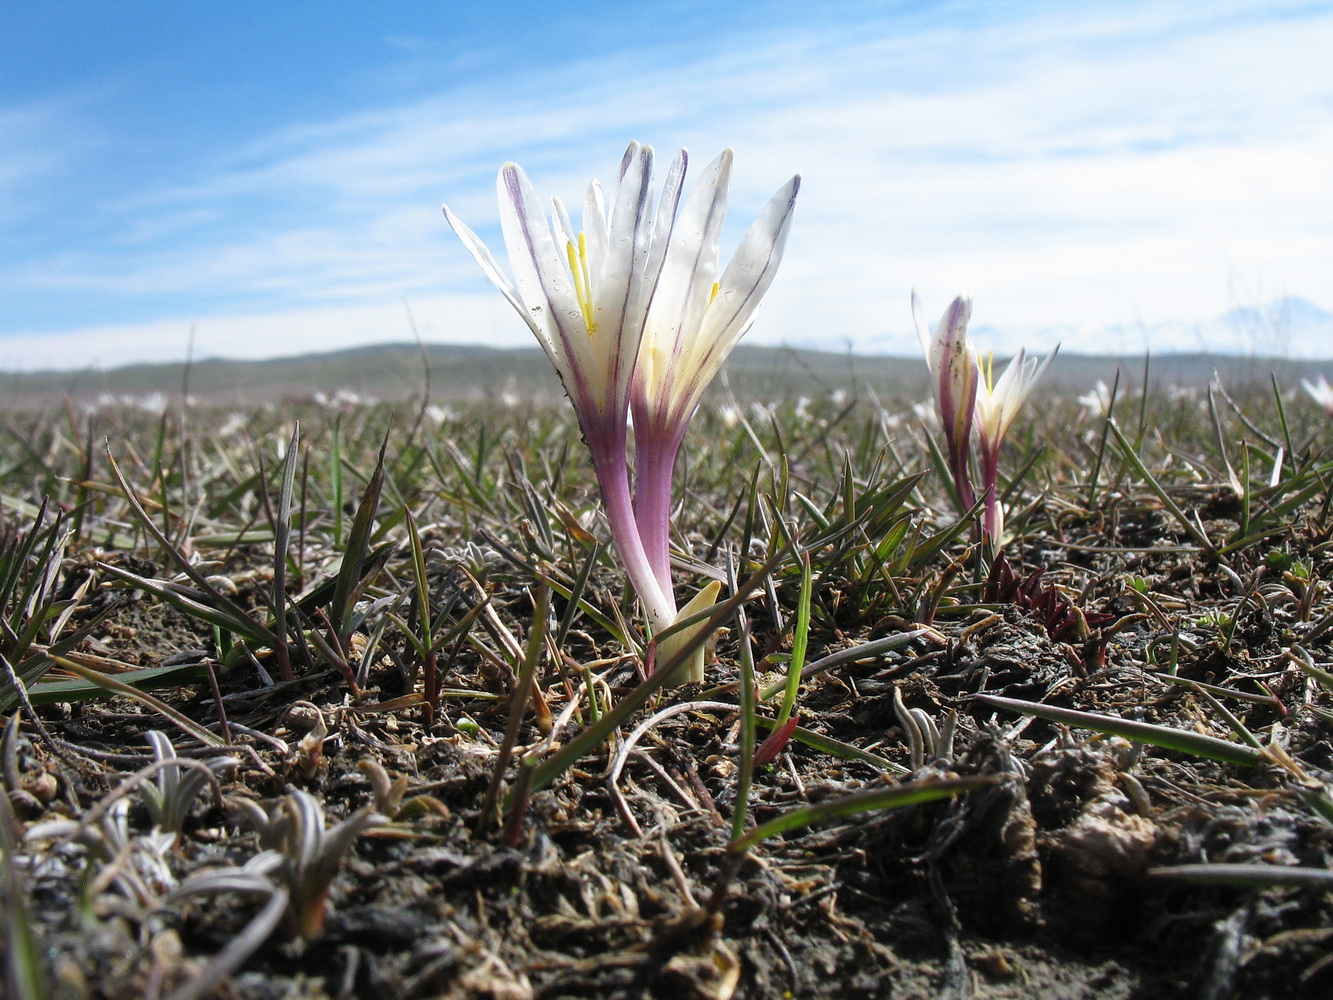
(270, 174)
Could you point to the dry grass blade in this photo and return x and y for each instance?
(1243, 876)
(250, 939)
(378, 538)
(25, 964)
(112, 684)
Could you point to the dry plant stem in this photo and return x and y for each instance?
(111, 684)
(523, 689)
(331, 648)
(518, 804)
(596, 733)
(95, 814)
(745, 765)
(223, 727)
(25, 704)
(241, 947)
(628, 744)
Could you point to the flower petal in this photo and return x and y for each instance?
(923, 332)
(492, 269)
(739, 293)
(685, 285)
(541, 271)
(998, 407)
(625, 246)
(954, 365)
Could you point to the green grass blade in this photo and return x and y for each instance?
(874, 800)
(837, 748)
(800, 637)
(349, 578)
(116, 686)
(1144, 732)
(748, 703)
(1191, 529)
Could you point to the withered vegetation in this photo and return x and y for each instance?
(322, 701)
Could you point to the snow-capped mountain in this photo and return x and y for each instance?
(1290, 327)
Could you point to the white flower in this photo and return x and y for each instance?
(999, 400)
(632, 313)
(438, 415)
(696, 318)
(955, 375)
(1321, 392)
(583, 296)
(969, 396)
(1097, 400)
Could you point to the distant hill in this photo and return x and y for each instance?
(474, 373)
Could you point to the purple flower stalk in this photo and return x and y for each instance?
(631, 312)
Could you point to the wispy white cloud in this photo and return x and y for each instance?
(1133, 161)
(457, 319)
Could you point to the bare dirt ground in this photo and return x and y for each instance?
(1039, 885)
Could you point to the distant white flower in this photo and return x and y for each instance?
(1321, 392)
(926, 412)
(343, 399)
(762, 412)
(234, 424)
(1097, 400)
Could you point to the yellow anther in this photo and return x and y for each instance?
(572, 253)
(578, 269)
(717, 287)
